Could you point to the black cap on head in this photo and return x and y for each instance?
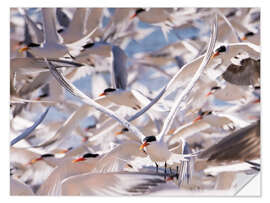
(44, 95)
(203, 113)
(60, 30)
(89, 45)
(139, 10)
(33, 45)
(221, 49)
(248, 34)
(124, 130)
(109, 90)
(209, 113)
(91, 126)
(90, 155)
(215, 88)
(150, 139)
(47, 155)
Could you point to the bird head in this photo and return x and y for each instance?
(124, 130)
(147, 141)
(218, 51)
(201, 115)
(41, 96)
(85, 157)
(247, 35)
(42, 157)
(137, 12)
(213, 90)
(107, 91)
(29, 46)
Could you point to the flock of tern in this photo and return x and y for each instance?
(179, 117)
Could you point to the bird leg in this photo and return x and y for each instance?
(165, 166)
(177, 174)
(156, 167)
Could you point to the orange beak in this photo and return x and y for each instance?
(118, 133)
(215, 55)
(102, 94)
(208, 94)
(197, 119)
(78, 160)
(62, 151)
(23, 49)
(133, 16)
(35, 160)
(171, 131)
(144, 145)
(244, 38)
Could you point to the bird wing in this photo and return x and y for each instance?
(116, 159)
(76, 92)
(75, 29)
(119, 68)
(248, 73)
(29, 130)
(49, 25)
(120, 183)
(187, 130)
(36, 65)
(179, 102)
(241, 145)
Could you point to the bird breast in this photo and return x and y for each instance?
(158, 152)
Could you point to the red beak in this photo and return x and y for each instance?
(85, 139)
(208, 94)
(35, 160)
(197, 119)
(78, 160)
(215, 54)
(133, 16)
(256, 101)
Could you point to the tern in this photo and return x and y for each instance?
(52, 46)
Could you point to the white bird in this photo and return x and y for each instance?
(52, 46)
(156, 147)
(112, 161)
